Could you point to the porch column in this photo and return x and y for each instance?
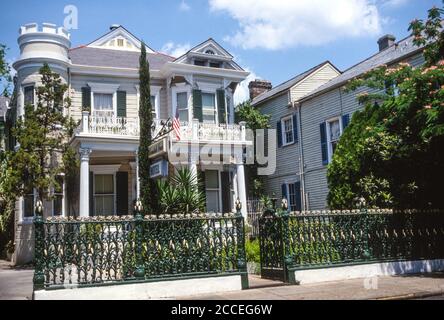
(192, 164)
(84, 182)
(241, 191)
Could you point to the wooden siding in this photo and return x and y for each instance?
(312, 82)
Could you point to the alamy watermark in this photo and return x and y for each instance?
(71, 21)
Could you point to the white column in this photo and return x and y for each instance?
(137, 176)
(241, 191)
(84, 182)
(192, 164)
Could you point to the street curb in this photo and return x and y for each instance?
(410, 296)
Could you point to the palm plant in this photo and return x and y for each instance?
(181, 194)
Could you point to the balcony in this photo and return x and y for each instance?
(106, 126)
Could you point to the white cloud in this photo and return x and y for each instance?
(184, 6)
(175, 50)
(242, 92)
(393, 3)
(288, 23)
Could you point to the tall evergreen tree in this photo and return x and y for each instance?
(146, 121)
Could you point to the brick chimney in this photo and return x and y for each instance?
(386, 41)
(258, 87)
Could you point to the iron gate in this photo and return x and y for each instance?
(272, 246)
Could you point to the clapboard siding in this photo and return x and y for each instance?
(313, 81)
(318, 109)
(288, 156)
(128, 85)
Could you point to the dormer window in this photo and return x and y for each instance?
(215, 64)
(199, 63)
(209, 51)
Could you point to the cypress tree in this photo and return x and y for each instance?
(146, 121)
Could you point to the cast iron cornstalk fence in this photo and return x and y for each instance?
(319, 239)
(109, 250)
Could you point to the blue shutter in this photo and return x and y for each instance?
(345, 121)
(284, 191)
(295, 128)
(324, 147)
(279, 133)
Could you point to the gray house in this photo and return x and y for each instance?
(319, 116)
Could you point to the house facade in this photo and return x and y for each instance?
(322, 113)
(103, 82)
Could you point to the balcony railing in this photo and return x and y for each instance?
(103, 126)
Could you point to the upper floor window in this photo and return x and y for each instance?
(29, 95)
(209, 107)
(334, 132)
(103, 104)
(182, 105)
(120, 42)
(153, 107)
(199, 63)
(215, 64)
(287, 130)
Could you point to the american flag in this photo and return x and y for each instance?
(176, 125)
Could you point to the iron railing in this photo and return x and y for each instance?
(318, 239)
(102, 250)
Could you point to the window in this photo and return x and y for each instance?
(28, 203)
(29, 95)
(293, 193)
(209, 107)
(333, 134)
(57, 202)
(104, 194)
(199, 63)
(287, 130)
(212, 190)
(215, 64)
(153, 107)
(120, 42)
(103, 104)
(182, 106)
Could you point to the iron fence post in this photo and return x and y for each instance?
(139, 271)
(39, 276)
(285, 231)
(241, 258)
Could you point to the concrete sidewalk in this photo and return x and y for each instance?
(396, 287)
(15, 283)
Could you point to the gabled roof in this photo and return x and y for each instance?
(210, 44)
(88, 56)
(392, 54)
(289, 84)
(116, 32)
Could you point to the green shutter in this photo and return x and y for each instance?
(122, 193)
(324, 146)
(202, 189)
(91, 194)
(121, 104)
(197, 105)
(86, 98)
(221, 106)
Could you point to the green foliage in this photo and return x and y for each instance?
(181, 195)
(5, 70)
(42, 134)
(393, 150)
(255, 120)
(147, 186)
(252, 250)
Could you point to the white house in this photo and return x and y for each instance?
(103, 83)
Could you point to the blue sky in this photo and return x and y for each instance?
(275, 40)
